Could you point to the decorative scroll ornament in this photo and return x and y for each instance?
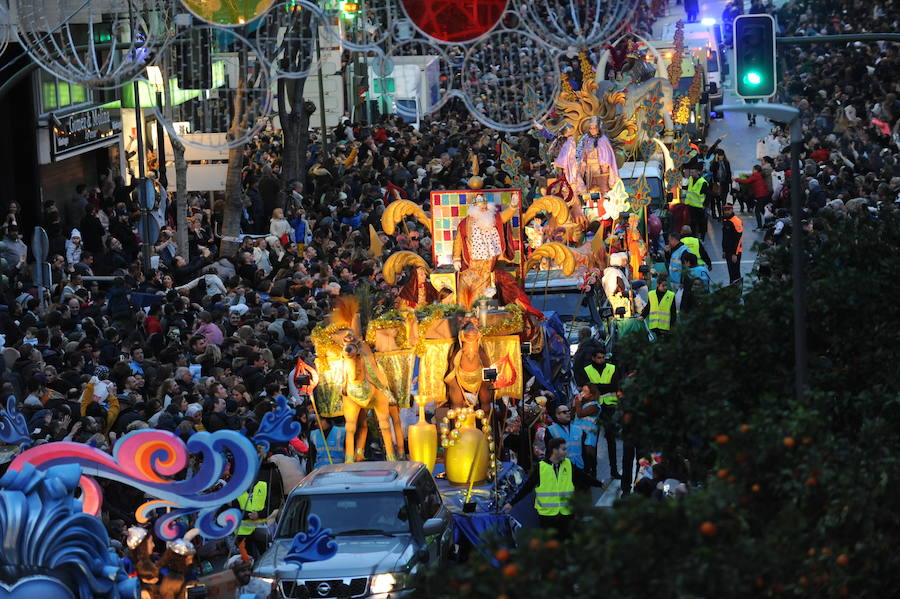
(13, 427)
(277, 426)
(314, 545)
(52, 549)
(149, 460)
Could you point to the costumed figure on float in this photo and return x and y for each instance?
(364, 384)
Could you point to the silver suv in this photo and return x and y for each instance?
(387, 518)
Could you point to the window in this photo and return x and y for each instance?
(347, 514)
(428, 496)
(57, 94)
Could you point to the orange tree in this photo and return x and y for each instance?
(789, 497)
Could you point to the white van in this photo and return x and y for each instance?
(652, 171)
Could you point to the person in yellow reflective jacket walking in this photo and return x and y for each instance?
(660, 311)
(554, 481)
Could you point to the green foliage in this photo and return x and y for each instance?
(802, 496)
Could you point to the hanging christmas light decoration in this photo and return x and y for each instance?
(228, 13)
(566, 24)
(216, 85)
(95, 43)
(286, 38)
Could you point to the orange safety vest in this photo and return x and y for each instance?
(739, 228)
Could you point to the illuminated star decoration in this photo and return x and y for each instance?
(616, 201)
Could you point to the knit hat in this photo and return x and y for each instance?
(101, 372)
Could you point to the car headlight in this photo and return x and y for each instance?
(385, 583)
(262, 580)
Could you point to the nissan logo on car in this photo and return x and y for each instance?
(323, 588)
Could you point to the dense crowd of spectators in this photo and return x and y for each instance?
(205, 341)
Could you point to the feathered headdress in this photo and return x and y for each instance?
(467, 297)
(345, 311)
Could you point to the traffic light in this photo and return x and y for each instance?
(349, 10)
(754, 56)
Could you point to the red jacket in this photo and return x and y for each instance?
(820, 155)
(757, 184)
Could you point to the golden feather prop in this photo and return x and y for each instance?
(397, 211)
(467, 297)
(555, 252)
(552, 205)
(397, 261)
(345, 310)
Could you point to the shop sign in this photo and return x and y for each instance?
(84, 129)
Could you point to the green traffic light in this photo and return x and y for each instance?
(752, 78)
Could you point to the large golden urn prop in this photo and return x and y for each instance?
(469, 452)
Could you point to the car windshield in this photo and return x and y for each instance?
(348, 513)
(565, 304)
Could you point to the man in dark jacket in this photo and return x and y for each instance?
(587, 347)
(92, 230)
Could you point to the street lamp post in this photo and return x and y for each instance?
(790, 115)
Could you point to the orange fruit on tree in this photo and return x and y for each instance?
(510, 570)
(722, 473)
(812, 481)
(722, 439)
(807, 440)
(708, 529)
(842, 560)
(551, 544)
(756, 488)
(789, 442)
(502, 555)
(745, 428)
(826, 551)
(534, 544)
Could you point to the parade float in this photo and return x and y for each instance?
(457, 333)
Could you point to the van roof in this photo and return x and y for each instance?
(633, 170)
(359, 477)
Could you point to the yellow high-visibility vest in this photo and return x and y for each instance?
(253, 502)
(603, 378)
(693, 246)
(695, 194)
(661, 311)
(554, 490)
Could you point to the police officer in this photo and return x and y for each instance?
(732, 242)
(554, 482)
